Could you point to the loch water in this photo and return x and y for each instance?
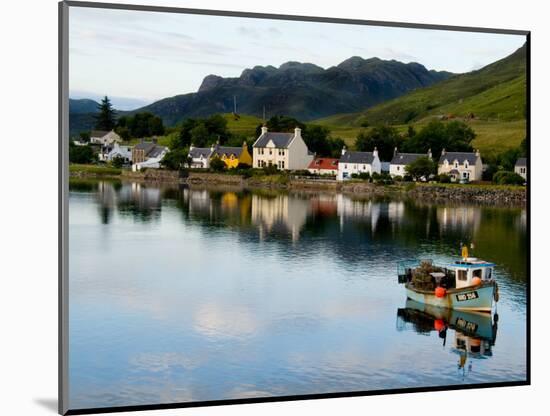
(184, 294)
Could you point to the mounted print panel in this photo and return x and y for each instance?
(260, 208)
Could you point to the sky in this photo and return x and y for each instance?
(138, 57)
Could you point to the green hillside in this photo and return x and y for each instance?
(494, 95)
(243, 124)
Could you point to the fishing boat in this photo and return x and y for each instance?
(467, 284)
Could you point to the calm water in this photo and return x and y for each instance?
(192, 294)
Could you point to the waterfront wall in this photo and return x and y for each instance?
(489, 194)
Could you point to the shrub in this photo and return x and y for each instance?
(118, 162)
(504, 177)
(270, 170)
(398, 178)
(363, 176)
(443, 178)
(217, 165)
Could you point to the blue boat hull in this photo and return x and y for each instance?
(474, 298)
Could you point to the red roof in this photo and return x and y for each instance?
(326, 163)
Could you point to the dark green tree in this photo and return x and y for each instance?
(454, 136)
(217, 165)
(176, 159)
(84, 136)
(81, 154)
(384, 138)
(106, 119)
(422, 167)
(281, 124)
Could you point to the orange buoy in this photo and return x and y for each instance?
(439, 325)
(440, 292)
(476, 281)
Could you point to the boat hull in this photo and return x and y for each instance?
(474, 298)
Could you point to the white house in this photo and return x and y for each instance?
(123, 152)
(357, 162)
(147, 155)
(104, 137)
(109, 151)
(521, 167)
(200, 156)
(461, 166)
(401, 160)
(287, 151)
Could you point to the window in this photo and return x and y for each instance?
(270, 151)
(476, 273)
(466, 164)
(282, 164)
(462, 275)
(399, 167)
(456, 164)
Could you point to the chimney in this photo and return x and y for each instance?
(443, 152)
(430, 153)
(298, 132)
(395, 150)
(477, 153)
(155, 139)
(244, 144)
(191, 147)
(375, 152)
(343, 150)
(212, 148)
(264, 129)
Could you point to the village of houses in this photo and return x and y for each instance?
(289, 152)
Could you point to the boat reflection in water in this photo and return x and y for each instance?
(474, 333)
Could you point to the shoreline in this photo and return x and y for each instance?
(515, 196)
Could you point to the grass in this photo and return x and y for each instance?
(94, 169)
(492, 136)
(244, 124)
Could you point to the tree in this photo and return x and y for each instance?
(217, 165)
(384, 138)
(176, 159)
(422, 167)
(85, 136)
(508, 178)
(454, 136)
(317, 139)
(140, 125)
(105, 120)
(282, 124)
(203, 132)
(81, 154)
(118, 161)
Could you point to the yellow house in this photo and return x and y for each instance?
(232, 156)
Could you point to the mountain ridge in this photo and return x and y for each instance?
(299, 89)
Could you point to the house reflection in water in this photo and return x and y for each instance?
(465, 219)
(279, 213)
(135, 199)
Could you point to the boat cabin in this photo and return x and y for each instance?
(468, 268)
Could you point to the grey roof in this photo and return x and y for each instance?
(406, 158)
(227, 150)
(385, 166)
(471, 157)
(150, 149)
(522, 161)
(357, 157)
(156, 151)
(98, 133)
(196, 152)
(280, 140)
